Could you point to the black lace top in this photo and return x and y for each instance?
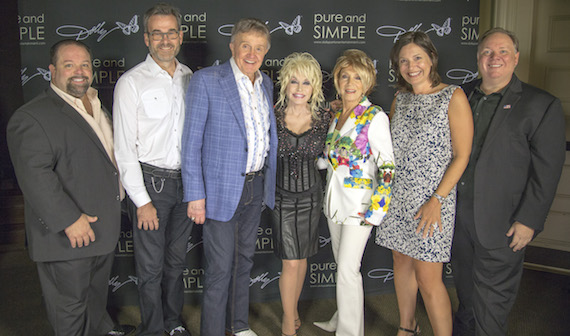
(297, 153)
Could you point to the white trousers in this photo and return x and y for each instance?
(348, 243)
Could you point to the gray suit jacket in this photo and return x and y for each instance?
(63, 170)
(520, 163)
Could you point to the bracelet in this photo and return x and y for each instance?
(439, 198)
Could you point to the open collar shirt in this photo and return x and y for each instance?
(256, 117)
(148, 116)
(99, 121)
(484, 107)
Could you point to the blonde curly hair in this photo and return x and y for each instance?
(303, 64)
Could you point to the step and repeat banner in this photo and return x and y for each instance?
(114, 31)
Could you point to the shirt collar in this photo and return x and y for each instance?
(500, 93)
(155, 69)
(239, 75)
(91, 93)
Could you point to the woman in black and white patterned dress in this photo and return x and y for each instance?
(432, 132)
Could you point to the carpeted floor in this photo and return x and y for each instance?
(542, 308)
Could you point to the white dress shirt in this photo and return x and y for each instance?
(256, 117)
(148, 116)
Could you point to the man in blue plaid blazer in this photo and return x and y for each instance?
(229, 146)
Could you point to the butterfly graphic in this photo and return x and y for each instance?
(132, 27)
(444, 29)
(294, 27)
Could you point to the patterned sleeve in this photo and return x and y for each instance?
(380, 142)
(324, 123)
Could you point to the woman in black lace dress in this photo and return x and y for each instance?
(302, 126)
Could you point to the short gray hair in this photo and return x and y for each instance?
(251, 24)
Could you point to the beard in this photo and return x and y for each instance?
(162, 55)
(77, 90)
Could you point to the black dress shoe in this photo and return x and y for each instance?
(122, 330)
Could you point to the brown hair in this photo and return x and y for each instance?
(162, 8)
(423, 41)
(54, 50)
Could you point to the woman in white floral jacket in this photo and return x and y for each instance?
(360, 167)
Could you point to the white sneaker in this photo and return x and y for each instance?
(247, 332)
(329, 325)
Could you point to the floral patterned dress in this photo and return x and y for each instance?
(422, 153)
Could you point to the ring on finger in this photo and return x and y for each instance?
(434, 225)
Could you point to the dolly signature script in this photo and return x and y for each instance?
(116, 284)
(381, 273)
(81, 33)
(263, 279)
(323, 241)
(46, 74)
(396, 32)
(464, 75)
(190, 245)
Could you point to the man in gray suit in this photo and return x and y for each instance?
(61, 146)
(507, 189)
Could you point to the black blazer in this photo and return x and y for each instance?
(521, 160)
(63, 170)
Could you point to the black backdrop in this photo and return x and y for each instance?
(114, 31)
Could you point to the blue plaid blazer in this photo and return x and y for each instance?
(214, 143)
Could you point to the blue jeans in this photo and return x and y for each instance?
(229, 248)
(160, 256)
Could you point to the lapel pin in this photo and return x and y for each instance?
(506, 107)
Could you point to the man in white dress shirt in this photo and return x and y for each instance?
(148, 118)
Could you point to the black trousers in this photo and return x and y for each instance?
(487, 281)
(160, 256)
(75, 295)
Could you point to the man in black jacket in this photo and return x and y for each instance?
(507, 189)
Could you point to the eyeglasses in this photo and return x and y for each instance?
(158, 36)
